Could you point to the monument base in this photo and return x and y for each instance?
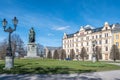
(32, 51)
(94, 59)
(8, 62)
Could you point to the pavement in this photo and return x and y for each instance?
(105, 75)
(118, 64)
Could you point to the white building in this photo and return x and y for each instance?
(85, 38)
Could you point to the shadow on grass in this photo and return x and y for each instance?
(18, 69)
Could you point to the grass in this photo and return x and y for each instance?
(49, 66)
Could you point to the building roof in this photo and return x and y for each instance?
(70, 35)
(117, 27)
(97, 29)
(87, 28)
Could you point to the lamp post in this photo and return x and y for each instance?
(9, 59)
(94, 54)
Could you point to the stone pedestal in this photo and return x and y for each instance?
(31, 50)
(94, 59)
(8, 62)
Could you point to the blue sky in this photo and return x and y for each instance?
(51, 18)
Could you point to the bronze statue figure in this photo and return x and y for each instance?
(31, 35)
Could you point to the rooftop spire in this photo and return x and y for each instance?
(81, 28)
(106, 23)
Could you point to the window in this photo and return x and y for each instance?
(92, 37)
(96, 36)
(87, 43)
(87, 32)
(100, 36)
(100, 42)
(117, 36)
(68, 50)
(76, 39)
(87, 49)
(72, 45)
(77, 50)
(96, 42)
(106, 41)
(117, 44)
(106, 48)
(81, 44)
(106, 34)
(76, 45)
(87, 38)
(81, 39)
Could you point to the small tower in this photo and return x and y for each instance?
(65, 36)
(81, 29)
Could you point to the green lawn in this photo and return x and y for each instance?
(46, 66)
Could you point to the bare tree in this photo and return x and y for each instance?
(72, 54)
(55, 55)
(49, 55)
(83, 53)
(17, 45)
(40, 50)
(3, 47)
(62, 54)
(114, 53)
(98, 53)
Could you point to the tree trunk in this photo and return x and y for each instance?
(114, 60)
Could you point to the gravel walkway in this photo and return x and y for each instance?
(106, 75)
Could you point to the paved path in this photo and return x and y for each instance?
(115, 64)
(106, 75)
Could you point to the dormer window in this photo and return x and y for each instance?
(106, 28)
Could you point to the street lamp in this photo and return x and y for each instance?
(9, 59)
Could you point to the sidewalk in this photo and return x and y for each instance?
(115, 64)
(106, 75)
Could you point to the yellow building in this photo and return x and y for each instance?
(116, 35)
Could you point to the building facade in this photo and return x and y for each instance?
(102, 36)
(116, 35)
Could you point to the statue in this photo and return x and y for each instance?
(32, 46)
(31, 35)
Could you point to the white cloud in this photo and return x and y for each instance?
(61, 28)
(50, 34)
